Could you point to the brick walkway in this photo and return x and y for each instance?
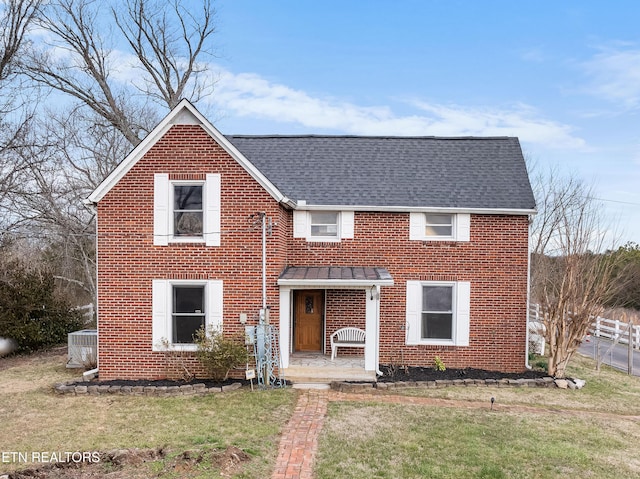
(299, 441)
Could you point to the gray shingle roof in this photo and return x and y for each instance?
(393, 171)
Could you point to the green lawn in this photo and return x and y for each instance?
(366, 439)
(33, 418)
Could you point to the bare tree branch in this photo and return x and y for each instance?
(572, 270)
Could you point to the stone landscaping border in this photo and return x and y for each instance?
(81, 388)
(546, 382)
(86, 388)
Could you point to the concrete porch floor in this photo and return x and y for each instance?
(318, 368)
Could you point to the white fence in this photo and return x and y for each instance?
(617, 331)
(613, 329)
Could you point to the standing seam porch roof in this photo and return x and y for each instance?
(465, 172)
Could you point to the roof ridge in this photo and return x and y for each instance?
(388, 137)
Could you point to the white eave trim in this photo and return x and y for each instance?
(416, 209)
(335, 283)
(176, 116)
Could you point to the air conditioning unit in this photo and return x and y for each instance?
(83, 348)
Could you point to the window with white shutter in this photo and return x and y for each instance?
(180, 308)
(438, 313)
(439, 226)
(326, 226)
(186, 211)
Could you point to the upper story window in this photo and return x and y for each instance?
(188, 213)
(324, 224)
(332, 226)
(439, 226)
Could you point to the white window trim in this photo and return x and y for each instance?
(302, 226)
(162, 305)
(461, 317)
(460, 227)
(163, 210)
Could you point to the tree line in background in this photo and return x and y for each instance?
(83, 81)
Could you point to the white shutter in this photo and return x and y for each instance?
(463, 227)
(417, 225)
(346, 224)
(160, 314)
(463, 317)
(414, 311)
(161, 209)
(299, 224)
(214, 303)
(212, 223)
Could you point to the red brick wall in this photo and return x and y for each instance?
(128, 260)
(494, 261)
(344, 307)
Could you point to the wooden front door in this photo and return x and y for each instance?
(308, 307)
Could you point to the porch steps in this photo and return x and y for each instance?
(326, 374)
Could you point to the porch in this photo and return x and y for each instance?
(319, 368)
(316, 301)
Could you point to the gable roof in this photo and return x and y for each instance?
(467, 174)
(183, 114)
(394, 172)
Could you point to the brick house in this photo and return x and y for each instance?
(420, 241)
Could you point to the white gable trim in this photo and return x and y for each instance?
(183, 114)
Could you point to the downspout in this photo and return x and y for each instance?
(526, 348)
(378, 372)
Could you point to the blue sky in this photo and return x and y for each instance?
(563, 76)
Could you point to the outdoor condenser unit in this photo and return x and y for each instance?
(83, 348)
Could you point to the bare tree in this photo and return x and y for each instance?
(572, 270)
(82, 59)
(16, 17)
(167, 40)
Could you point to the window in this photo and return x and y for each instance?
(188, 314)
(188, 217)
(324, 224)
(439, 226)
(438, 313)
(180, 308)
(186, 211)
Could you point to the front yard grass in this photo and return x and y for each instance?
(33, 418)
(538, 440)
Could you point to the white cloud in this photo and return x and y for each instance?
(250, 95)
(615, 76)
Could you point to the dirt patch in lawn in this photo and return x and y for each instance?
(137, 464)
